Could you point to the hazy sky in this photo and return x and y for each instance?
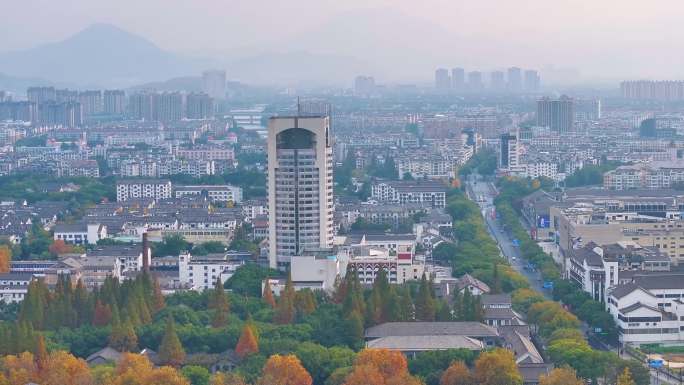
(602, 38)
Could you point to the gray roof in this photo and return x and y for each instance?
(71, 228)
(623, 290)
(115, 251)
(425, 343)
(649, 282)
(107, 354)
(469, 329)
(494, 299)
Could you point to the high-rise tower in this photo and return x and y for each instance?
(300, 186)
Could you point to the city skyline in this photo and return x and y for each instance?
(549, 45)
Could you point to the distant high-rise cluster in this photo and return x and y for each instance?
(214, 83)
(169, 106)
(364, 85)
(653, 90)
(114, 102)
(557, 114)
(514, 80)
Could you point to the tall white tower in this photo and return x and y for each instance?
(300, 186)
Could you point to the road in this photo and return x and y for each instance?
(483, 194)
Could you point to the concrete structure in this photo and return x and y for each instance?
(654, 175)
(400, 192)
(300, 184)
(442, 79)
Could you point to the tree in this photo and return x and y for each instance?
(158, 302)
(59, 247)
(365, 375)
(102, 314)
(5, 258)
(425, 303)
(227, 379)
(219, 302)
(285, 310)
(304, 302)
(41, 354)
(456, 374)
(123, 337)
(268, 293)
(170, 349)
(197, 375)
(247, 344)
(497, 367)
(560, 376)
(63, 368)
(134, 369)
(625, 378)
(284, 370)
(388, 362)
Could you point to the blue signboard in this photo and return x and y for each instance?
(655, 363)
(543, 221)
(548, 285)
(516, 243)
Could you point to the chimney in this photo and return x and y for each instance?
(146, 253)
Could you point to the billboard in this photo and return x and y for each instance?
(543, 221)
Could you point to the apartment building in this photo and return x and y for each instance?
(400, 192)
(143, 188)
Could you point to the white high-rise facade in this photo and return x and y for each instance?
(300, 186)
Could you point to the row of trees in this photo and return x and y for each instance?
(566, 343)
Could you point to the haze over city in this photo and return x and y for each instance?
(398, 41)
(383, 192)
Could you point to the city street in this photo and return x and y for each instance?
(483, 194)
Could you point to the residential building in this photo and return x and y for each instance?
(653, 175)
(223, 193)
(557, 114)
(199, 106)
(214, 83)
(114, 102)
(458, 79)
(532, 81)
(143, 188)
(442, 79)
(14, 286)
(514, 79)
(80, 233)
(400, 192)
(201, 272)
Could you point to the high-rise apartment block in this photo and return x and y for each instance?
(41, 94)
(114, 102)
(514, 79)
(199, 106)
(509, 154)
(442, 79)
(214, 83)
(300, 186)
(497, 81)
(532, 81)
(557, 114)
(364, 85)
(458, 79)
(656, 90)
(475, 81)
(91, 102)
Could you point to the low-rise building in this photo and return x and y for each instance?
(201, 272)
(223, 193)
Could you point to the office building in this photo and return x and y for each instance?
(497, 81)
(199, 106)
(532, 81)
(300, 186)
(557, 114)
(514, 79)
(114, 102)
(458, 79)
(214, 83)
(442, 79)
(475, 83)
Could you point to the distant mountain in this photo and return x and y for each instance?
(297, 68)
(101, 54)
(186, 83)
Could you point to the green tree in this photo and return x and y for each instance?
(197, 375)
(171, 350)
